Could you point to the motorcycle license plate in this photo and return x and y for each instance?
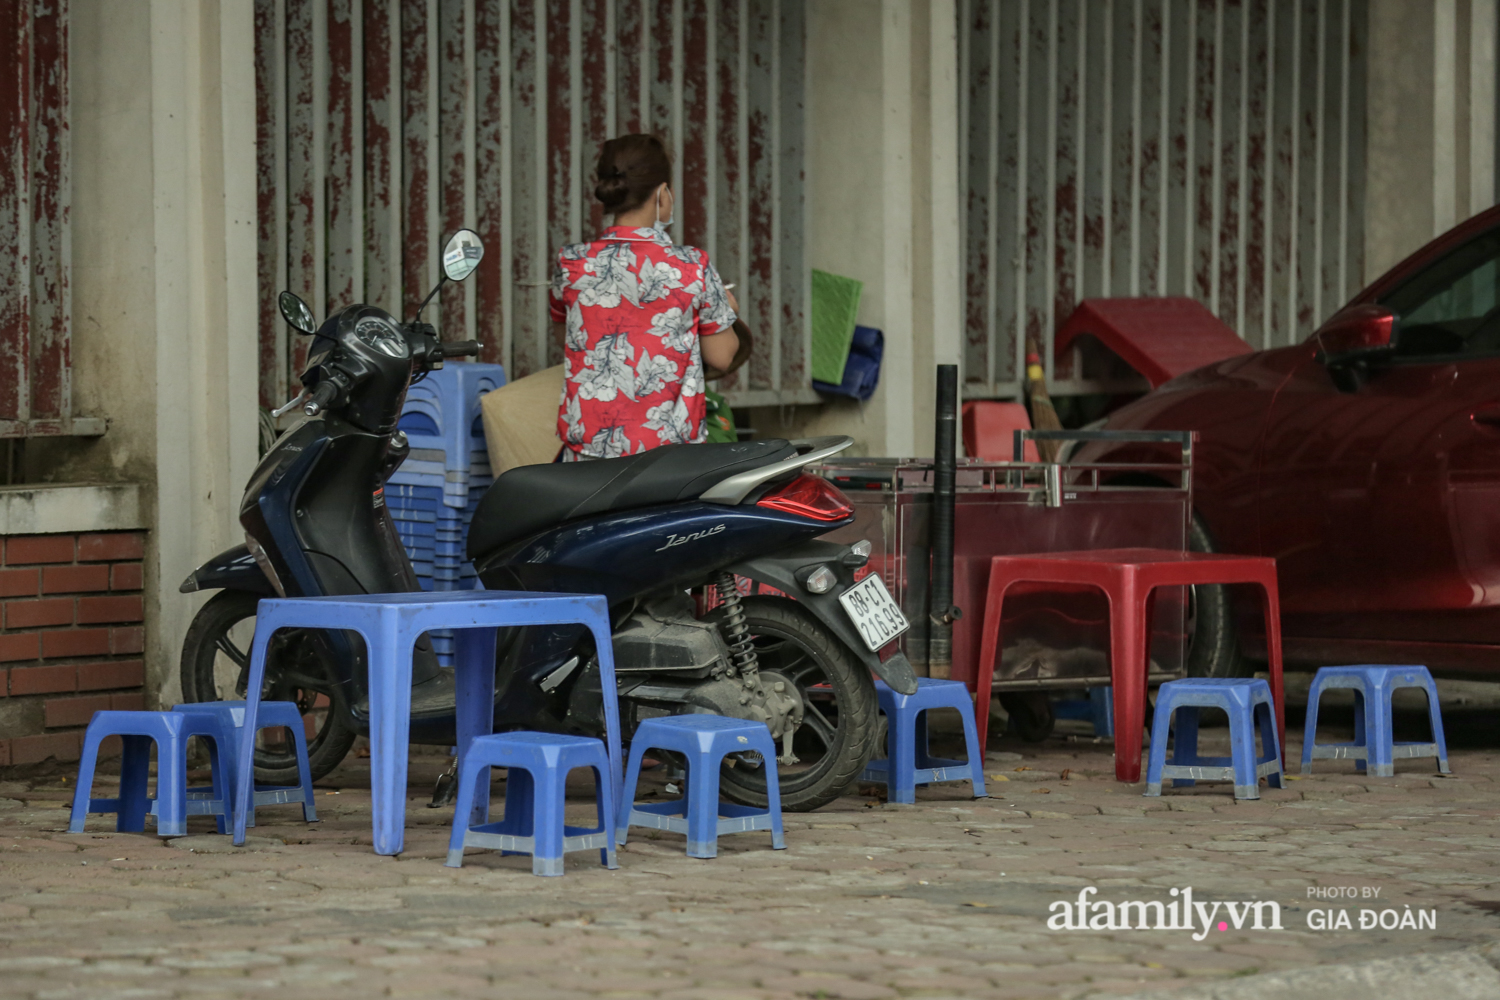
(871, 609)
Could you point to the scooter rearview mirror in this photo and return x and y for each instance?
(462, 255)
(297, 314)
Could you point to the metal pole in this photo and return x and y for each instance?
(940, 645)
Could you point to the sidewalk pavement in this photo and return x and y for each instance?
(947, 898)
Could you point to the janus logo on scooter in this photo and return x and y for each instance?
(675, 540)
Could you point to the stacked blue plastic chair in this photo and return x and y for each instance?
(433, 495)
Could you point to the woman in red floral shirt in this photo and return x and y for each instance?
(638, 316)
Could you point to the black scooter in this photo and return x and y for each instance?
(655, 533)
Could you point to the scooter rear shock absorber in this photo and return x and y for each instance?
(736, 633)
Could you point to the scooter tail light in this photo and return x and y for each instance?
(808, 496)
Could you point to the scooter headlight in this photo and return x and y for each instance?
(820, 580)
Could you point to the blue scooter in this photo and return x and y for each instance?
(660, 534)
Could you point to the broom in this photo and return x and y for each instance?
(1043, 414)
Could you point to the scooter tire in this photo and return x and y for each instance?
(773, 619)
(200, 682)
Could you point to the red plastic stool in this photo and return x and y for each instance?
(1128, 577)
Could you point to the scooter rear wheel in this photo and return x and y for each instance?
(215, 650)
(838, 731)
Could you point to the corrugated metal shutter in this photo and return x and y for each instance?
(36, 193)
(386, 124)
(1210, 148)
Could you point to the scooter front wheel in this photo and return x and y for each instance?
(217, 649)
(840, 710)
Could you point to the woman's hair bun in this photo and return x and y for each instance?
(630, 169)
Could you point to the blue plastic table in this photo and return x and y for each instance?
(390, 625)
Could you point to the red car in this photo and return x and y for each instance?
(1366, 461)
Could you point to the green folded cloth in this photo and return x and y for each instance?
(835, 303)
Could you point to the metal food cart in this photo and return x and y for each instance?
(1053, 637)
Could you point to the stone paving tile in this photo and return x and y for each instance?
(947, 898)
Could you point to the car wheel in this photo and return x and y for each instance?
(1213, 647)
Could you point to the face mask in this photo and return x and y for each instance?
(661, 226)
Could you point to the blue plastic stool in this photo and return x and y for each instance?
(535, 796)
(390, 625)
(231, 716)
(1102, 702)
(705, 740)
(1374, 747)
(1248, 704)
(170, 732)
(908, 762)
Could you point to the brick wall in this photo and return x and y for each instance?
(71, 638)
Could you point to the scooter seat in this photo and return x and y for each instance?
(528, 499)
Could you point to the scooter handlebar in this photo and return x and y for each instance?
(460, 349)
(324, 394)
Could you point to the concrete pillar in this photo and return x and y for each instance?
(882, 204)
(204, 267)
(164, 274)
(1431, 122)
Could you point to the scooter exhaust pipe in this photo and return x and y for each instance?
(943, 613)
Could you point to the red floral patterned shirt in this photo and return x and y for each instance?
(635, 306)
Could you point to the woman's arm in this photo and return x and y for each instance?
(719, 349)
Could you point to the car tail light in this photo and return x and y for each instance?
(808, 496)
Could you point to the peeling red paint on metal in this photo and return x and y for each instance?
(301, 176)
(662, 12)
(558, 189)
(396, 122)
(1227, 158)
(978, 365)
(340, 212)
(1152, 169)
(272, 383)
(15, 209)
(790, 99)
(759, 95)
(729, 183)
(380, 244)
(692, 201)
(1068, 185)
(595, 126)
(528, 259)
(452, 94)
(1202, 158)
(1256, 306)
(415, 252)
(51, 198)
(628, 27)
(490, 198)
